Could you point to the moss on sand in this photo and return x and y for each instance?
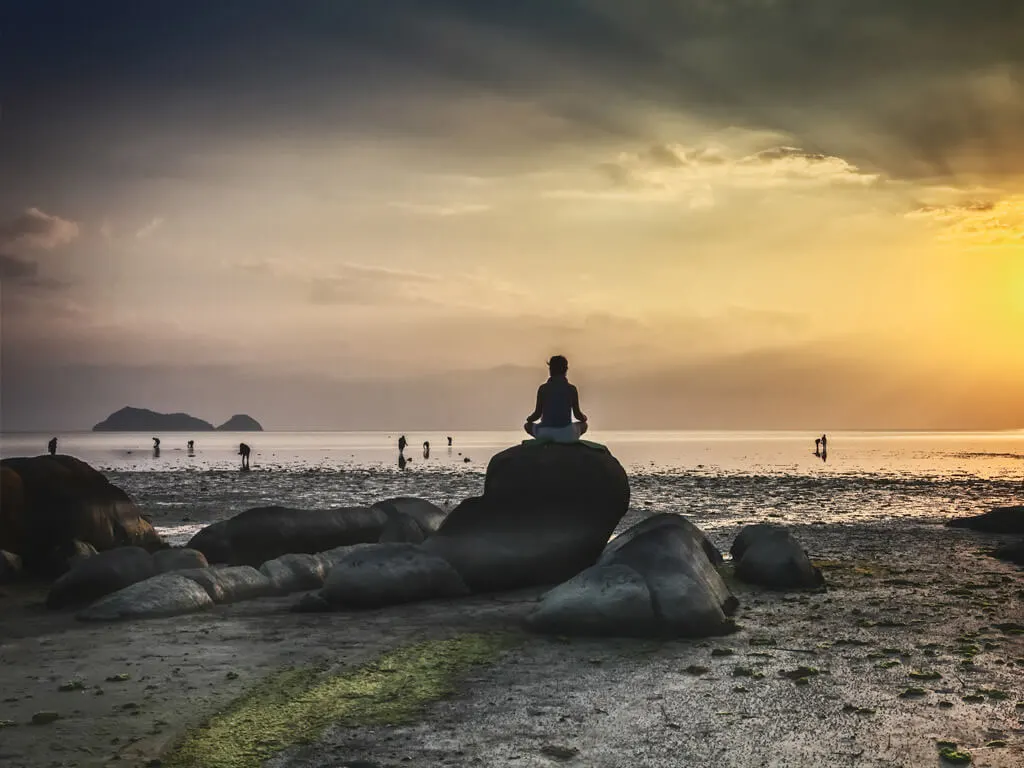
(296, 705)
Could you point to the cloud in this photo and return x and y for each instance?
(24, 273)
(149, 228)
(977, 222)
(451, 209)
(37, 229)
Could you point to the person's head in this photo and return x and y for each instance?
(558, 366)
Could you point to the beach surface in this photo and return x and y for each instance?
(918, 640)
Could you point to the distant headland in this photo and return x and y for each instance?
(130, 419)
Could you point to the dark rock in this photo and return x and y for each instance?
(130, 419)
(388, 574)
(93, 577)
(263, 533)
(57, 499)
(168, 594)
(409, 519)
(178, 559)
(658, 579)
(547, 512)
(62, 558)
(998, 520)
(296, 572)
(240, 422)
(212, 541)
(1012, 552)
(751, 533)
(231, 584)
(769, 556)
(10, 567)
(311, 602)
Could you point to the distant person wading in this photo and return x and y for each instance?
(557, 402)
(52, 446)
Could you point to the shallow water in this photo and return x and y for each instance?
(720, 478)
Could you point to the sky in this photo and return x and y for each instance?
(330, 214)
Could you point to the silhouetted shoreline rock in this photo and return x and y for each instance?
(240, 422)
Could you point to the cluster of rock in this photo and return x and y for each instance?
(545, 518)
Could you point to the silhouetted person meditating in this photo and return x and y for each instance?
(243, 451)
(557, 402)
(52, 446)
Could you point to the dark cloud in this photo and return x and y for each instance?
(915, 89)
(37, 229)
(23, 273)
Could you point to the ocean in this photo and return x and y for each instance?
(720, 479)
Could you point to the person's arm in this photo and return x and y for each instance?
(580, 415)
(539, 410)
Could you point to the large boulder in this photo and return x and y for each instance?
(388, 574)
(213, 542)
(90, 578)
(168, 594)
(658, 579)
(231, 584)
(547, 512)
(48, 501)
(769, 556)
(998, 520)
(263, 533)
(409, 519)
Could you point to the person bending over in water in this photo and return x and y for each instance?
(557, 402)
(243, 451)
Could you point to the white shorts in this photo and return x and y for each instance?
(567, 434)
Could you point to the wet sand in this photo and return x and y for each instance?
(908, 600)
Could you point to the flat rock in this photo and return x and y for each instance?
(295, 572)
(168, 594)
(388, 574)
(998, 520)
(91, 578)
(233, 583)
(263, 533)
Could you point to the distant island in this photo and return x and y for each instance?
(130, 419)
(240, 422)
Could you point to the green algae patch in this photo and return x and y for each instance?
(954, 756)
(294, 706)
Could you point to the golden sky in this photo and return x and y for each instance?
(736, 214)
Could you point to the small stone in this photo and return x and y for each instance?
(44, 717)
(119, 678)
(232, 675)
(71, 685)
(559, 752)
(696, 669)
